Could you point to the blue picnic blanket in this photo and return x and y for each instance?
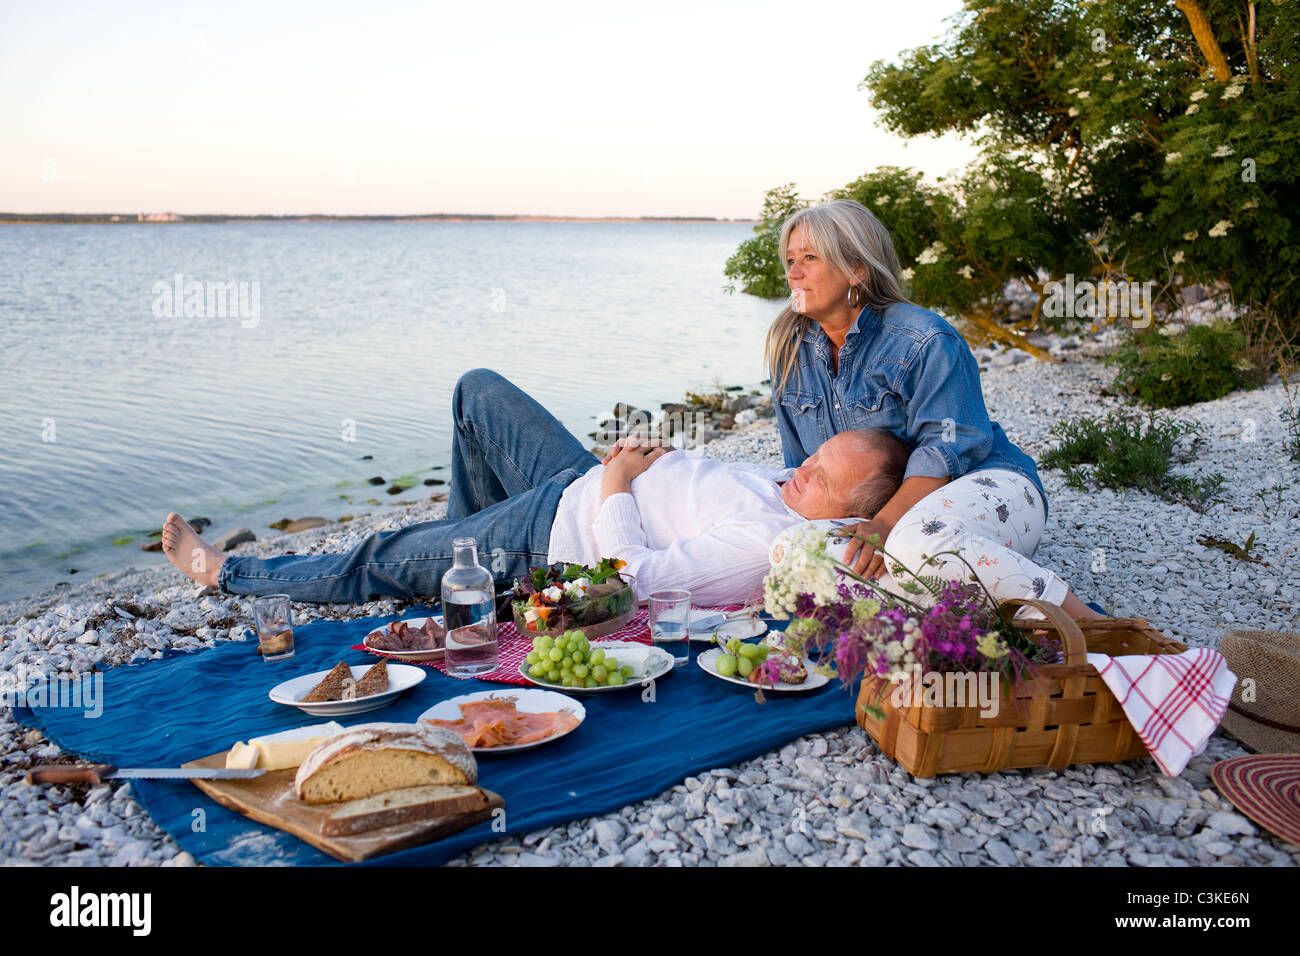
(187, 705)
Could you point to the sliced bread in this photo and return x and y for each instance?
(395, 807)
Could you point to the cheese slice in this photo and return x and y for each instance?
(241, 757)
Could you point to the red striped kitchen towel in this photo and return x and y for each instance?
(1173, 701)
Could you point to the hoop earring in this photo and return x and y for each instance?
(855, 297)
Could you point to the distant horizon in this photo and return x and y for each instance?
(131, 217)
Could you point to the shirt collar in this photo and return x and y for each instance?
(868, 315)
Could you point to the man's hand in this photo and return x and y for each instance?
(860, 555)
(628, 462)
(634, 440)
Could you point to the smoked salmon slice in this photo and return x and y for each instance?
(497, 723)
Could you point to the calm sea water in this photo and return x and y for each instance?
(118, 406)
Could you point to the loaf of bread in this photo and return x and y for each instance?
(373, 758)
(409, 805)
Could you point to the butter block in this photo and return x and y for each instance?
(280, 751)
(241, 757)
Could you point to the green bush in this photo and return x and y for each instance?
(1199, 364)
(1125, 455)
(757, 262)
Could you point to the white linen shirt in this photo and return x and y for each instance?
(690, 522)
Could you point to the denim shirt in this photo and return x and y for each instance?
(904, 369)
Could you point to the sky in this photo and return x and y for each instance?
(563, 108)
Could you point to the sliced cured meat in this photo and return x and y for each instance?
(498, 723)
(400, 636)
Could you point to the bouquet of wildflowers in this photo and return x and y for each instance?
(858, 629)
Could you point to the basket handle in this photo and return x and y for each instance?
(1076, 647)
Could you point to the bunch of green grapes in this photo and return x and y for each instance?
(571, 661)
(740, 657)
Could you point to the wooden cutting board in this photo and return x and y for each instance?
(270, 799)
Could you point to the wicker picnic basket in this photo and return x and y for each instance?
(1061, 715)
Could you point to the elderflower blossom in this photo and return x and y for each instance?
(1234, 88)
(930, 254)
(1190, 236)
(1074, 111)
(1252, 204)
(1178, 257)
(1199, 95)
(1194, 108)
(965, 272)
(806, 568)
(1172, 157)
(1220, 229)
(907, 274)
(1222, 151)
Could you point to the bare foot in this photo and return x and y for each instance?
(192, 556)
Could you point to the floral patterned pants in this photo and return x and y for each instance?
(994, 519)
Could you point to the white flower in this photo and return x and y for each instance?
(1103, 63)
(884, 200)
(1234, 88)
(1199, 95)
(1222, 151)
(907, 274)
(894, 651)
(930, 254)
(1195, 107)
(1178, 257)
(1084, 94)
(806, 568)
(1108, 77)
(1220, 229)
(965, 272)
(1137, 216)
(1058, 64)
(1172, 157)
(1074, 111)
(976, 81)
(1171, 329)
(1190, 236)
(1253, 204)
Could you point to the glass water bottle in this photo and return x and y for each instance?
(469, 613)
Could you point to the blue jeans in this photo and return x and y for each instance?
(511, 461)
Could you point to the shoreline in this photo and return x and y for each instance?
(861, 808)
(118, 219)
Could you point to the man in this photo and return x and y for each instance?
(529, 494)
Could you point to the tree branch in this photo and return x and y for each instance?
(1204, 34)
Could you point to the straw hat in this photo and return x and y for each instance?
(1266, 789)
(1267, 665)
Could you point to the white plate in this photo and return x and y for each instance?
(527, 700)
(743, 628)
(661, 665)
(401, 677)
(436, 654)
(814, 680)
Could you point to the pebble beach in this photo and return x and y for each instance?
(827, 799)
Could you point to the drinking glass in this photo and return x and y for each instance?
(274, 626)
(670, 617)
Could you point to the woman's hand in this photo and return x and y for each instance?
(860, 555)
(628, 462)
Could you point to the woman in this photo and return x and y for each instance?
(851, 352)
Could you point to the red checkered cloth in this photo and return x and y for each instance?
(513, 647)
(1173, 701)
